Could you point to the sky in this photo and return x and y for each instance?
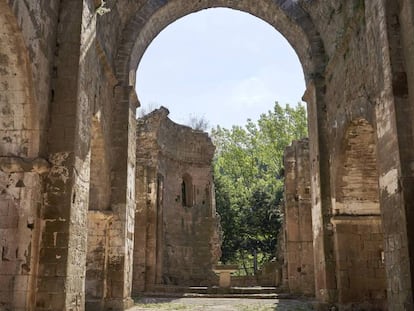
(220, 64)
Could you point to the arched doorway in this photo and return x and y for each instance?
(290, 19)
(293, 21)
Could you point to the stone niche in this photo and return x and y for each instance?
(357, 223)
(177, 233)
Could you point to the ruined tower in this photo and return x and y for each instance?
(176, 226)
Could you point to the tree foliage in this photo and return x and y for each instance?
(249, 181)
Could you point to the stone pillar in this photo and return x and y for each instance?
(62, 257)
(99, 226)
(298, 219)
(151, 228)
(148, 229)
(325, 281)
(121, 244)
(140, 233)
(160, 228)
(407, 42)
(394, 112)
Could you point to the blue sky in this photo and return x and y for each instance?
(220, 64)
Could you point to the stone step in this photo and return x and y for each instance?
(217, 292)
(219, 295)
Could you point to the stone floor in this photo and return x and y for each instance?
(220, 304)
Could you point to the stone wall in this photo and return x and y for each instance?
(24, 90)
(298, 236)
(176, 228)
(99, 225)
(20, 224)
(357, 224)
(28, 34)
(359, 244)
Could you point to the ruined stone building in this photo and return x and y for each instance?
(177, 234)
(68, 147)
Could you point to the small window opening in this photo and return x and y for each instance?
(187, 191)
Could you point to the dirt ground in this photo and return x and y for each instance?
(220, 304)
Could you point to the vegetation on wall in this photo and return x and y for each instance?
(248, 172)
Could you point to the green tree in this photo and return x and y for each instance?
(249, 182)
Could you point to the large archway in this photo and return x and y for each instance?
(214, 53)
(345, 51)
(290, 19)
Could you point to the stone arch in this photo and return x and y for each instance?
(289, 18)
(146, 22)
(357, 222)
(20, 171)
(17, 127)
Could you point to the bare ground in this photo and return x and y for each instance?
(220, 304)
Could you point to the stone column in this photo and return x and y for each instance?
(394, 112)
(325, 284)
(151, 227)
(140, 234)
(121, 245)
(298, 219)
(61, 271)
(160, 229)
(407, 34)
